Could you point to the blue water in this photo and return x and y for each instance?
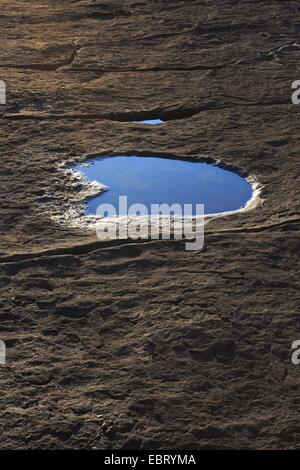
(153, 180)
(150, 121)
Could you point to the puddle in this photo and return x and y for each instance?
(155, 180)
(151, 122)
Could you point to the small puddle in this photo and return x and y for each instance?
(155, 180)
(152, 122)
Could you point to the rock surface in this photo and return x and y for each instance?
(146, 345)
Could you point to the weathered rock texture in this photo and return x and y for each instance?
(146, 345)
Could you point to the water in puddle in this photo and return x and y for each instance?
(150, 121)
(152, 180)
